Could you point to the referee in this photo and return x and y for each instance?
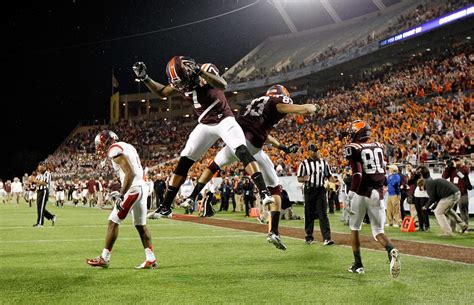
(43, 181)
(313, 172)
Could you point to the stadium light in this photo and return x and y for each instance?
(137, 80)
(236, 110)
(235, 92)
(123, 104)
(167, 109)
(186, 115)
(468, 37)
(143, 100)
(428, 49)
(165, 98)
(342, 73)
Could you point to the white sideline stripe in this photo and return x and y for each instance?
(124, 238)
(84, 226)
(347, 246)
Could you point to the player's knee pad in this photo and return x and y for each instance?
(275, 190)
(184, 164)
(213, 167)
(244, 155)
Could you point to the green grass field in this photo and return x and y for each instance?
(202, 264)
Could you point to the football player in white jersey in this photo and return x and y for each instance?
(132, 197)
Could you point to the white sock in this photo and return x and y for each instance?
(106, 254)
(150, 256)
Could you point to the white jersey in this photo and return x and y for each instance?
(122, 148)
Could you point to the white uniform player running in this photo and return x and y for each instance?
(131, 198)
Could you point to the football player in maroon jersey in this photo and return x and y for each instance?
(366, 193)
(260, 117)
(201, 85)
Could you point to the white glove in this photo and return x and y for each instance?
(140, 71)
(116, 199)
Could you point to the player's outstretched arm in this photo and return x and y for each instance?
(124, 164)
(298, 109)
(159, 89)
(275, 143)
(215, 81)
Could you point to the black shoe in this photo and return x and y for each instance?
(355, 268)
(53, 220)
(309, 241)
(328, 242)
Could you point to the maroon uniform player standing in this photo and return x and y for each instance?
(366, 194)
(260, 117)
(204, 88)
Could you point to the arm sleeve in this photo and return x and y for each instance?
(301, 170)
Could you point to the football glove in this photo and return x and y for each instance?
(289, 150)
(140, 70)
(193, 69)
(116, 199)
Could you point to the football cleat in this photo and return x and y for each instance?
(328, 242)
(276, 241)
(148, 265)
(98, 262)
(162, 213)
(395, 263)
(356, 269)
(53, 220)
(464, 228)
(267, 199)
(187, 203)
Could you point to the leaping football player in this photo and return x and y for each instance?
(366, 194)
(201, 85)
(260, 117)
(132, 197)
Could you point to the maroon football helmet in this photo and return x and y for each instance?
(277, 90)
(103, 141)
(181, 72)
(359, 131)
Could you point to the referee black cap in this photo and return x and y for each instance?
(312, 147)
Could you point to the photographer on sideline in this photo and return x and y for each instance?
(458, 174)
(446, 194)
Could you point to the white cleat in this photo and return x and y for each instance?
(395, 263)
(267, 199)
(152, 215)
(187, 203)
(148, 265)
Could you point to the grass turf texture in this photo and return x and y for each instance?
(202, 264)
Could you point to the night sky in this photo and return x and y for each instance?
(57, 60)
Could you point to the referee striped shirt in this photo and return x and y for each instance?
(317, 170)
(45, 177)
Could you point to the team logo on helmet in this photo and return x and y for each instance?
(277, 90)
(103, 140)
(359, 131)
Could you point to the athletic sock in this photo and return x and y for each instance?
(357, 258)
(275, 220)
(197, 189)
(106, 254)
(389, 248)
(169, 196)
(150, 256)
(257, 178)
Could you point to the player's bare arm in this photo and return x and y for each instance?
(214, 80)
(297, 109)
(275, 143)
(124, 164)
(158, 89)
(39, 182)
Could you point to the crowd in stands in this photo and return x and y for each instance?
(422, 13)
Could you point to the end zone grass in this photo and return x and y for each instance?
(202, 264)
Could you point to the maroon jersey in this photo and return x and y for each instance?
(210, 104)
(260, 116)
(372, 166)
